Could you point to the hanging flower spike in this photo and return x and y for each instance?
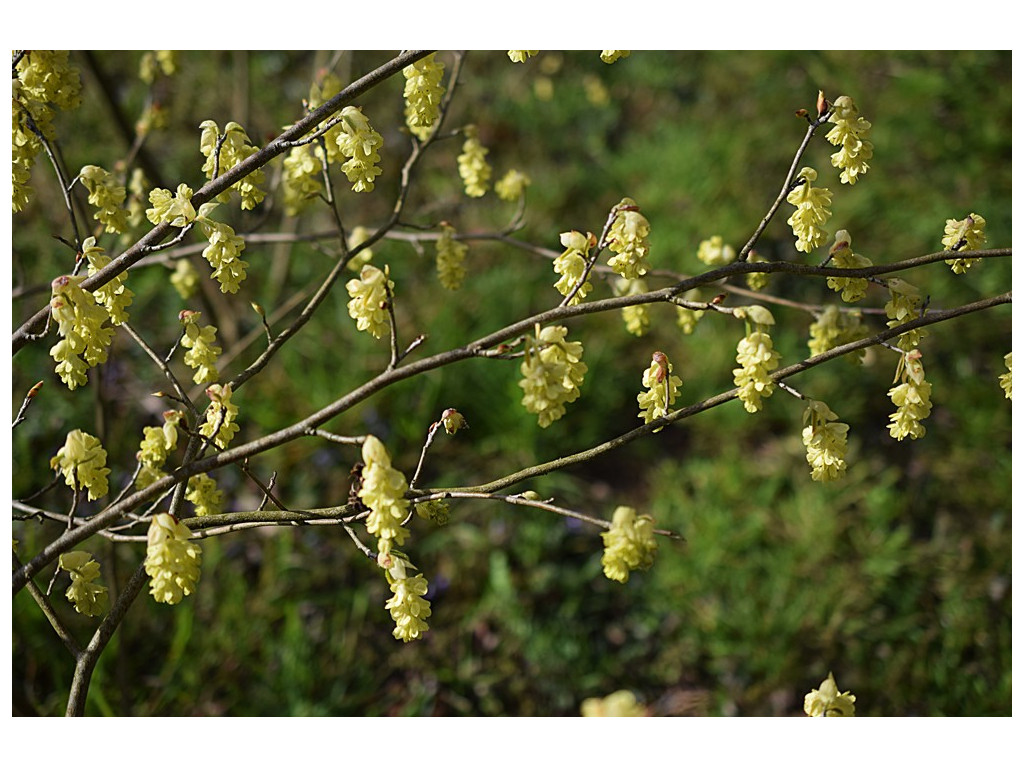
(221, 413)
(512, 185)
(473, 166)
(627, 238)
(408, 608)
(369, 303)
(80, 323)
(812, 211)
(912, 398)
(662, 389)
(965, 234)
(301, 178)
(757, 358)
(224, 252)
(519, 57)
(572, 264)
(843, 257)
(610, 57)
(834, 328)
(851, 136)
(715, 253)
(423, 94)
(234, 148)
(88, 598)
(757, 281)
(552, 371)
(687, 318)
(107, 196)
(450, 257)
(904, 305)
(82, 461)
(172, 560)
(176, 209)
(185, 279)
(826, 701)
(357, 237)
(156, 445)
(825, 440)
(1006, 380)
(202, 350)
(637, 321)
(359, 143)
(383, 492)
(203, 493)
(629, 545)
(115, 295)
(618, 704)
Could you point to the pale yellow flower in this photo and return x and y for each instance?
(172, 560)
(369, 304)
(552, 370)
(851, 136)
(826, 701)
(629, 545)
(82, 460)
(618, 704)
(965, 234)
(812, 211)
(89, 598)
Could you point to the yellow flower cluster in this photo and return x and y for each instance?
(904, 305)
(136, 202)
(89, 598)
(715, 253)
(610, 57)
(572, 264)
(687, 318)
(383, 492)
(757, 359)
(520, 56)
(757, 281)
(618, 704)
(80, 323)
(834, 328)
(843, 257)
(156, 445)
(662, 388)
(512, 185)
(82, 461)
(409, 610)
(450, 257)
(42, 80)
(202, 492)
(851, 136)
(154, 62)
(423, 94)
(627, 238)
(301, 178)
(174, 208)
(223, 253)
(636, 318)
(965, 234)
(473, 166)
(826, 701)
(825, 440)
(357, 237)
(221, 413)
(359, 143)
(114, 295)
(436, 511)
(107, 196)
(172, 560)
(1006, 379)
(553, 370)
(812, 211)
(234, 148)
(369, 303)
(629, 545)
(912, 398)
(185, 279)
(202, 350)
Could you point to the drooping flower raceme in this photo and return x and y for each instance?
(356, 237)
(185, 279)
(687, 317)
(553, 370)
(512, 185)
(221, 413)
(904, 305)
(572, 264)
(825, 440)
(114, 295)
(224, 253)
(812, 211)
(662, 388)
(89, 598)
(757, 358)
(965, 234)
(629, 545)
(610, 57)
(369, 303)
(618, 704)
(202, 492)
(850, 134)
(234, 148)
(156, 445)
(107, 196)
(715, 253)
(843, 257)
(450, 257)
(423, 94)
(473, 166)
(627, 238)
(383, 492)
(82, 461)
(174, 208)
(637, 321)
(1006, 379)
(202, 349)
(301, 178)
(360, 144)
(834, 328)
(520, 56)
(912, 398)
(409, 609)
(172, 560)
(81, 325)
(826, 701)
(757, 281)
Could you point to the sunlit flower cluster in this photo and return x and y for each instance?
(114, 295)
(203, 493)
(687, 318)
(812, 211)
(369, 304)
(512, 185)
(360, 144)
(356, 237)
(757, 358)
(636, 317)
(1006, 379)
(825, 440)
(451, 255)
(826, 701)
(88, 597)
(520, 56)
(610, 57)
(572, 264)
(627, 238)
(83, 462)
(843, 257)
(135, 204)
(662, 388)
(155, 62)
(904, 305)
(221, 414)
(409, 609)
(234, 148)
(618, 704)
(966, 234)
(107, 196)
(383, 492)
(833, 328)
(202, 349)
(629, 545)
(81, 325)
(175, 208)
(157, 444)
(185, 279)
(553, 370)
(423, 94)
(224, 253)
(715, 253)
(172, 560)
(850, 134)
(473, 166)
(301, 178)
(912, 398)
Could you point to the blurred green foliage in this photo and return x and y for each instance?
(897, 579)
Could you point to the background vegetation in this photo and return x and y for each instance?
(897, 579)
